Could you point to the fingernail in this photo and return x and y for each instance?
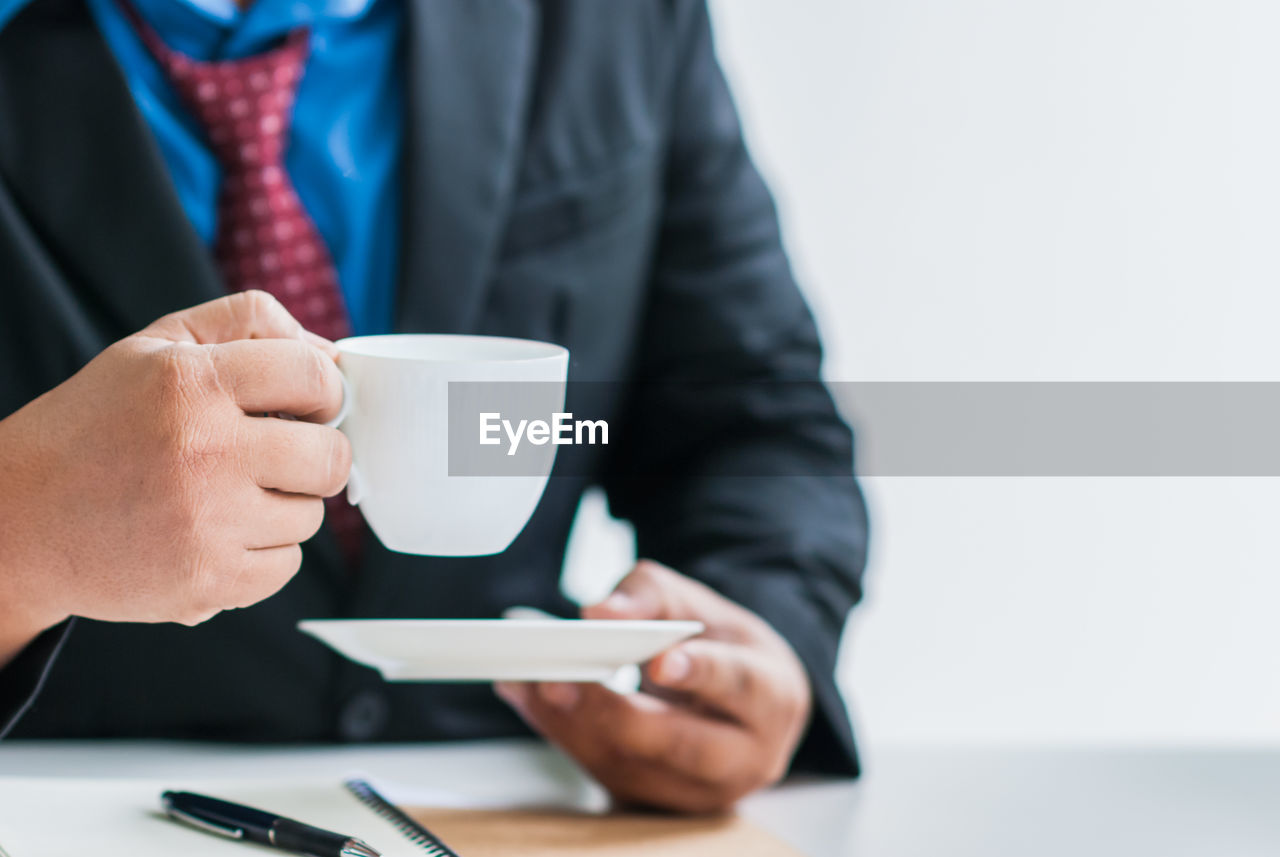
(619, 602)
(614, 605)
(674, 667)
(511, 692)
(561, 695)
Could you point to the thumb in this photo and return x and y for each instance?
(645, 593)
(653, 591)
(245, 315)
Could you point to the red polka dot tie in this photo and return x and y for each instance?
(265, 239)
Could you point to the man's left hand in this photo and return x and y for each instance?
(718, 716)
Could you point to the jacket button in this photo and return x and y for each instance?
(363, 717)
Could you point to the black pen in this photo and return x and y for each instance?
(255, 825)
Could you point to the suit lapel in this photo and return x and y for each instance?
(469, 67)
(81, 162)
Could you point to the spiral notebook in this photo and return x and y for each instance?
(122, 818)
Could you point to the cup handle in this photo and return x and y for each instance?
(355, 485)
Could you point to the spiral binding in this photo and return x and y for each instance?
(413, 831)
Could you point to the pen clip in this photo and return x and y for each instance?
(202, 824)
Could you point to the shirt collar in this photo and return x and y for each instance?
(10, 8)
(219, 29)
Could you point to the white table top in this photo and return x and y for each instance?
(913, 801)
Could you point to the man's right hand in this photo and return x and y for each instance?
(149, 487)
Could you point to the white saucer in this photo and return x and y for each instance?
(498, 649)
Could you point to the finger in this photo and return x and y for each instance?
(632, 780)
(653, 591)
(730, 679)
(637, 596)
(281, 520)
(297, 457)
(602, 729)
(245, 315)
(246, 577)
(329, 348)
(655, 786)
(266, 572)
(286, 376)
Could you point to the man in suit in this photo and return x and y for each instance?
(563, 170)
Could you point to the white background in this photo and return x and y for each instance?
(1035, 190)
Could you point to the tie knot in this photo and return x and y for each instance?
(244, 106)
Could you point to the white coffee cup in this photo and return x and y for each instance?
(396, 415)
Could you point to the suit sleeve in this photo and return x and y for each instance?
(22, 678)
(734, 466)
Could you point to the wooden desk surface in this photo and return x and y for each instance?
(549, 833)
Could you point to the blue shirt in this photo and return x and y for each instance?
(345, 142)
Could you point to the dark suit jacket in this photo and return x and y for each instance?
(575, 172)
